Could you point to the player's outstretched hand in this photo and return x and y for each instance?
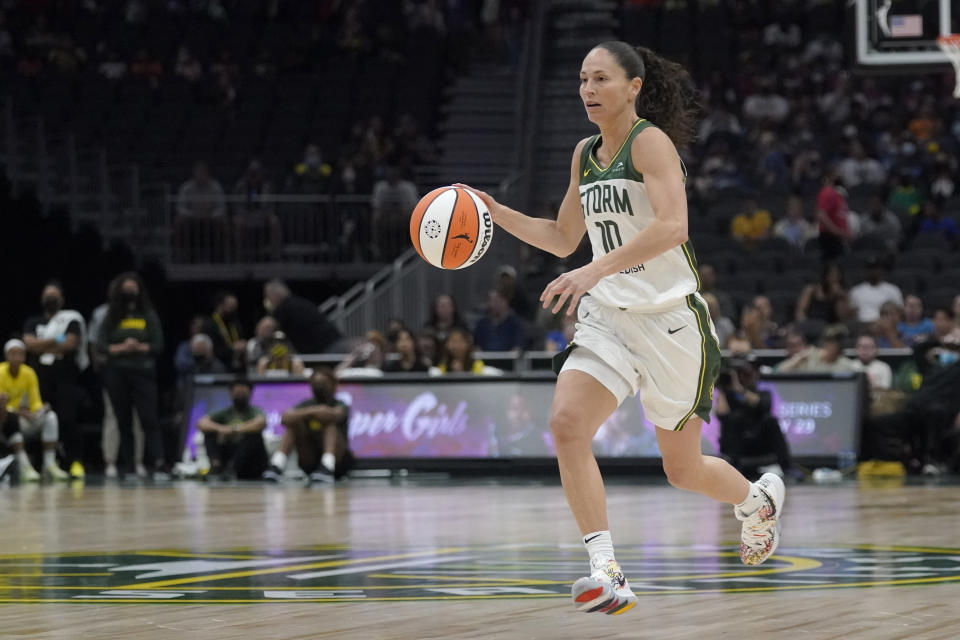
(493, 206)
(570, 286)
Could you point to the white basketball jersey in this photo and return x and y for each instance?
(615, 209)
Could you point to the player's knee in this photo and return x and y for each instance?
(566, 428)
(683, 475)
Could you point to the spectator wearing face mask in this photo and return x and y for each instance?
(233, 436)
(57, 345)
(131, 338)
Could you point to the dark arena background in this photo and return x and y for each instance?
(241, 174)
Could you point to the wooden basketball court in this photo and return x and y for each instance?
(472, 559)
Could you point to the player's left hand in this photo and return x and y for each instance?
(570, 286)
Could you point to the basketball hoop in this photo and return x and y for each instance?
(950, 45)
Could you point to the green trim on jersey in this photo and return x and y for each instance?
(691, 256)
(590, 169)
(709, 363)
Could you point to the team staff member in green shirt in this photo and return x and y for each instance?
(131, 338)
(234, 435)
(317, 428)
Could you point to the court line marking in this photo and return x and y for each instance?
(288, 568)
(375, 567)
(52, 575)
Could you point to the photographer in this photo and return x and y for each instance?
(750, 435)
(317, 429)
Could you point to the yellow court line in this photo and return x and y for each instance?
(215, 556)
(338, 587)
(877, 547)
(285, 568)
(51, 575)
(504, 581)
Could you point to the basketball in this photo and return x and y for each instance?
(451, 228)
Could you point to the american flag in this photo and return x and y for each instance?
(906, 26)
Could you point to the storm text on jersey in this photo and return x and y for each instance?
(604, 198)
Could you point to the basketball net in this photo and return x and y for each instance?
(950, 45)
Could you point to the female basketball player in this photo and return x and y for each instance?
(642, 324)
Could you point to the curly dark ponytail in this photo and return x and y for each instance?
(668, 96)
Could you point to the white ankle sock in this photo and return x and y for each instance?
(279, 460)
(329, 461)
(49, 458)
(23, 460)
(752, 502)
(599, 543)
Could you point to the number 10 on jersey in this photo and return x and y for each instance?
(608, 231)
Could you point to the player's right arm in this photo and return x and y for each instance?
(559, 237)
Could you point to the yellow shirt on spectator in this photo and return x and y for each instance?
(755, 226)
(25, 384)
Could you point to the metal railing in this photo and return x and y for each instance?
(292, 228)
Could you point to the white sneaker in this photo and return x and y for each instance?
(141, 471)
(56, 473)
(111, 471)
(605, 591)
(28, 473)
(760, 533)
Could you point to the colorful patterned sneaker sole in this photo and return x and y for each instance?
(775, 492)
(593, 596)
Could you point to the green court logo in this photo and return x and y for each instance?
(344, 574)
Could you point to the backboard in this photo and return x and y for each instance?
(901, 35)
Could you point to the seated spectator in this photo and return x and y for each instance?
(879, 221)
(928, 421)
(406, 355)
(444, 316)
(229, 347)
(944, 324)
(187, 66)
(279, 357)
(256, 226)
(183, 356)
(557, 340)
(20, 392)
(794, 343)
(393, 200)
(204, 362)
(57, 342)
(758, 325)
(934, 223)
(794, 227)
(750, 435)
(738, 344)
(857, 169)
(884, 330)
(201, 196)
(878, 372)
(766, 106)
(905, 198)
(914, 327)
(311, 174)
(317, 430)
(234, 436)
(457, 355)
(506, 283)
(429, 346)
(752, 224)
(300, 319)
(721, 323)
(828, 358)
(708, 284)
(500, 329)
(867, 297)
(257, 345)
(824, 300)
(366, 359)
